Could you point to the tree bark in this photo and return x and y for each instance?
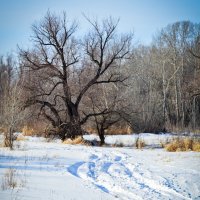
(102, 137)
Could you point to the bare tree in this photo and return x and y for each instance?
(6, 71)
(51, 66)
(14, 115)
(11, 100)
(105, 109)
(164, 79)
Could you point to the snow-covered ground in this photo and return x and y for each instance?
(149, 139)
(58, 171)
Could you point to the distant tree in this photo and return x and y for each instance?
(108, 105)
(164, 83)
(6, 71)
(11, 99)
(14, 114)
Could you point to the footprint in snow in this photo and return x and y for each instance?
(118, 158)
(93, 157)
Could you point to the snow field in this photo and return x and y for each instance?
(58, 171)
(123, 176)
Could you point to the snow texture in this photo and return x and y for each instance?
(58, 171)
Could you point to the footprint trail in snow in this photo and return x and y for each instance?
(117, 174)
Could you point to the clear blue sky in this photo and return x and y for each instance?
(144, 17)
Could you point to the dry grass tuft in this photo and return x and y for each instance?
(188, 144)
(78, 140)
(183, 144)
(9, 179)
(20, 138)
(12, 179)
(196, 146)
(140, 144)
(27, 131)
(68, 141)
(171, 147)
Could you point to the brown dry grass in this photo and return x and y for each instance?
(196, 146)
(183, 144)
(78, 140)
(140, 144)
(13, 178)
(9, 179)
(20, 137)
(27, 131)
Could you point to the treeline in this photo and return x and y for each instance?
(165, 83)
(65, 85)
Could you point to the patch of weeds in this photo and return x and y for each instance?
(183, 144)
(78, 140)
(196, 146)
(9, 179)
(139, 143)
(12, 179)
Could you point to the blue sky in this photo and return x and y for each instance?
(144, 17)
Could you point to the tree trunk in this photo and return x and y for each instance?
(164, 96)
(11, 137)
(75, 129)
(8, 141)
(102, 137)
(176, 99)
(194, 113)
